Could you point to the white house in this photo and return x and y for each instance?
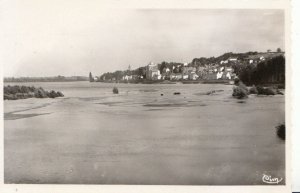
(193, 76)
(175, 76)
(155, 75)
(228, 75)
(152, 72)
(126, 77)
(185, 77)
(232, 59)
(219, 75)
(228, 69)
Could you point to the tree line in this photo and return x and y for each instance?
(265, 72)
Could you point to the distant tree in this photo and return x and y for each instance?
(270, 71)
(279, 50)
(142, 71)
(269, 50)
(118, 74)
(91, 77)
(162, 66)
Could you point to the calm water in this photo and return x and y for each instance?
(92, 136)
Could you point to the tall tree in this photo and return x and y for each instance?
(91, 77)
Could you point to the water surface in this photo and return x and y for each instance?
(93, 136)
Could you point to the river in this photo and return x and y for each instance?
(143, 135)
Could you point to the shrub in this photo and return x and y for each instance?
(253, 90)
(280, 131)
(23, 92)
(20, 95)
(115, 90)
(40, 93)
(52, 94)
(31, 88)
(24, 89)
(6, 90)
(13, 90)
(265, 91)
(59, 94)
(240, 91)
(9, 97)
(279, 92)
(281, 86)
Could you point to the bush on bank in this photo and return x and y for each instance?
(24, 92)
(280, 130)
(240, 91)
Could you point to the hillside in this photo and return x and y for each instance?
(235, 60)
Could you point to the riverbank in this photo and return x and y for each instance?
(144, 81)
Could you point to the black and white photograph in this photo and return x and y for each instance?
(143, 96)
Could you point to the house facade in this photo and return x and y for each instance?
(152, 72)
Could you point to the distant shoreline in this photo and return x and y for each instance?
(144, 81)
(46, 79)
(29, 81)
(171, 82)
(224, 82)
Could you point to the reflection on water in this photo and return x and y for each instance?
(143, 135)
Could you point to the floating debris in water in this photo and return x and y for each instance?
(161, 94)
(177, 93)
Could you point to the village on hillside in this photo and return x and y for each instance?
(223, 69)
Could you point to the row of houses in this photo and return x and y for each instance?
(189, 73)
(208, 71)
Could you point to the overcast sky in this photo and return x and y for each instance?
(66, 39)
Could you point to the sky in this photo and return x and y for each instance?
(66, 39)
